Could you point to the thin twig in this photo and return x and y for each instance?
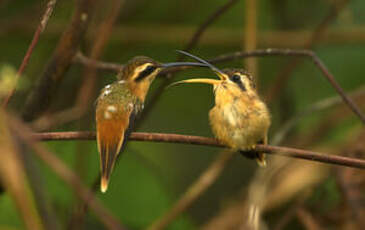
(197, 140)
(298, 53)
(13, 177)
(82, 59)
(41, 96)
(42, 25)
(205, 180)
(66, 174)
(282, 78)
(87, 92)
(250, 35)
(193, 42)
(307, 219)
(315, 107)
(204, 26)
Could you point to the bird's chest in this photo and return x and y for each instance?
(237, 124)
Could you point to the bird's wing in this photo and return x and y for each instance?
(114, 125)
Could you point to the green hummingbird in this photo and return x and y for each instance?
(118, 106)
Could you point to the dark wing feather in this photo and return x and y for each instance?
(132, 119)
(113, 130)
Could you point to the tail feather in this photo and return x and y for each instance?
(261, 159)
(110, 136)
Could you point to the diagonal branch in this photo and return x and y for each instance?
(282, 78)
(313, 108)
(82, 59)
(205, 180)
(40, 98)
(193, 42)
(203, 27)
(24, 133)
(298, 53)
(42, 25)
(263, 53)
(197, 140)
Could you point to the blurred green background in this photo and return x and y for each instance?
(150, 177)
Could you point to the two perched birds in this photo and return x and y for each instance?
(239, 118)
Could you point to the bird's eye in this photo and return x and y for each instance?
(149, 69)
(146, 72)
(236, 78)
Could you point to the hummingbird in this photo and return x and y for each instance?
(239, 118)
(118, 106)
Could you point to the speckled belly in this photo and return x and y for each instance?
(238, 129)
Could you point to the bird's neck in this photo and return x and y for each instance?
(224, 96)
(139, 89)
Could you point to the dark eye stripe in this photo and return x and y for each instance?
(145, 73)
(237, 80)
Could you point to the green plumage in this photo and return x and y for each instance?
(120, 94)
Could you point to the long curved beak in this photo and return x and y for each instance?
(220, 74)
(177, 64)
(197, 80)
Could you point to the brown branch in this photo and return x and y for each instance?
(250, 35)
(87, 92)
(24, 133)
(197, 140)
(193, 42)
(283, 76)
(42, 25)
(82, 59)
(298, 53)
(41, 96)
(204, 26)
(13, 177)
(205, 180)
(321, 105)
(307, 219)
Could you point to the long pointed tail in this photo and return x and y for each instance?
(108, 157)
(261, 159)
(110, 138)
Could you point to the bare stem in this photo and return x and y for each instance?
(298, 53)
(81, 58)
(197, 140)
(205, 180)
(66, 174)
(42, 25)
(41, 96)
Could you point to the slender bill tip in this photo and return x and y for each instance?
(196, 80)
(104, 185)
(182, 64)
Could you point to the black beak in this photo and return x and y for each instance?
(215, 69)
(178, 64)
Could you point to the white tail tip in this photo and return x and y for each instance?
(104, 185)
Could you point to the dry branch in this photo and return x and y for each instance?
(82, 59)
(197, 140)
(193, 42)
(205, 180)
(204, 26)
(278, 52)
(282, 78)
(298, 53)
(24, 133)
(42, 25)
(41, 96)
